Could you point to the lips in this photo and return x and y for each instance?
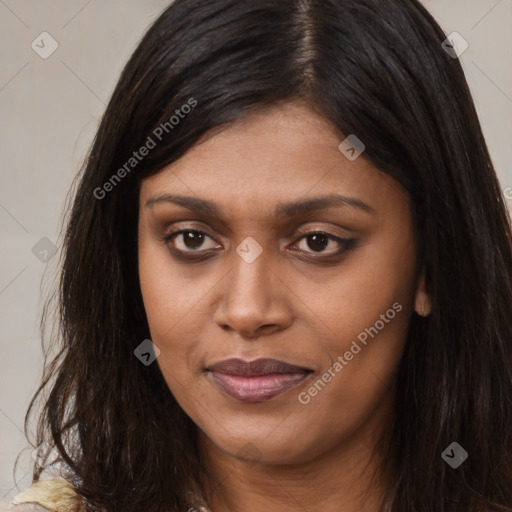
(256, 381)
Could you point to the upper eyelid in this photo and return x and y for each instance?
(188, 225)
(180, 231)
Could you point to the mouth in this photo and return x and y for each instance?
(256, 381)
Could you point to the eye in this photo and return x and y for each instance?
(316, 242)
(195, 244)
(189, 240)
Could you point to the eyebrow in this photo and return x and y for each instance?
(282, 210)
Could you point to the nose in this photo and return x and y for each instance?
(255, 299)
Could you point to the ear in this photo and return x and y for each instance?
(422, 303)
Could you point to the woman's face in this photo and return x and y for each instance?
(284, 249)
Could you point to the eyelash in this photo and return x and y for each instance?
(345, 243)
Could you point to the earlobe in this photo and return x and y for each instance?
(422, 304)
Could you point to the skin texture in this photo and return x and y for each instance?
(286, 304)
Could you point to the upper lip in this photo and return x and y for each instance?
(254, 368)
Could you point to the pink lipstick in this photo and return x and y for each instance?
(256, 381)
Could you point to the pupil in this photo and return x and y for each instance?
(319, 242)
(193, 239)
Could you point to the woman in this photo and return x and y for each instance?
(287, 280)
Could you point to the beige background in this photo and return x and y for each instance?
(50, 110)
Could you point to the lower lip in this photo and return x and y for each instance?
(257, 388)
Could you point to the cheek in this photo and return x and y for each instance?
(171, 293)
(355, 386)
(364, 310)
(352, 297)
(166, 308)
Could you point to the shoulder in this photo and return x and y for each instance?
(54, 495)
(25, 507)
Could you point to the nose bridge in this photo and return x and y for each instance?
(252, 275)
(252, 295)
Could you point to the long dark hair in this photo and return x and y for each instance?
(375, 69)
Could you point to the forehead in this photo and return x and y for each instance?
(269, 157)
